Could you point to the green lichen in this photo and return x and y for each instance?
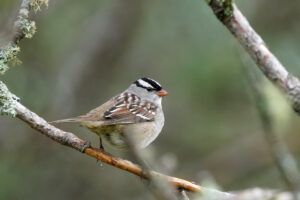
(223, 9)
(36, 4)
(7, 101)
(3, 67)
(228, 8)
(8, 54)
(27, 27)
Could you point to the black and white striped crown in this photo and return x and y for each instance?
(148, 84)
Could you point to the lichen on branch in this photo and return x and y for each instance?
(7, 101)
(36, 4)
(24, 28)
(27, 27)
(8, 54)
(223, 9)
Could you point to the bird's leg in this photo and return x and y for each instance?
(100, 144)
(100, 147)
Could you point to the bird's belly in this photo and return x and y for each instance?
(142, 134)
(112, 134)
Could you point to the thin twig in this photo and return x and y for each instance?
(284, 160)
(23, 28)
(240, 28)
(160, 187)
(183, 195)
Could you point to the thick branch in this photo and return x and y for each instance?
(240, 28)
(71, 140)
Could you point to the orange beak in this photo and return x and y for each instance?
(162, 93)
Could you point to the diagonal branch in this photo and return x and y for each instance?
(71, 140)
(284, 160)
(240, 28)
(23, 28)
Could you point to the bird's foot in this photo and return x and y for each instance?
(86, 144)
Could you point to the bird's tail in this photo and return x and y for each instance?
(70, 120)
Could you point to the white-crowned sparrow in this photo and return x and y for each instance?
(136, 113)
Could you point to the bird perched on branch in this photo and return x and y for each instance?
(136, 113)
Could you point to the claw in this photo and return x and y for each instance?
(85, 145)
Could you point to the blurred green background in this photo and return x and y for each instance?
(84, 52)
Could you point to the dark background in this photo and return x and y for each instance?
(84, 52)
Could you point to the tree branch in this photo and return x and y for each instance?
(284, 160)
(23, 28)
(9, 104)
(240, 28)
(227, 13)
(71, 140)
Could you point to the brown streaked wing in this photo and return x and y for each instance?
(94, 115)
(129, 109)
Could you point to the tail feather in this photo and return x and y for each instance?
(70, 120)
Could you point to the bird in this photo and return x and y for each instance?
(135, 113)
